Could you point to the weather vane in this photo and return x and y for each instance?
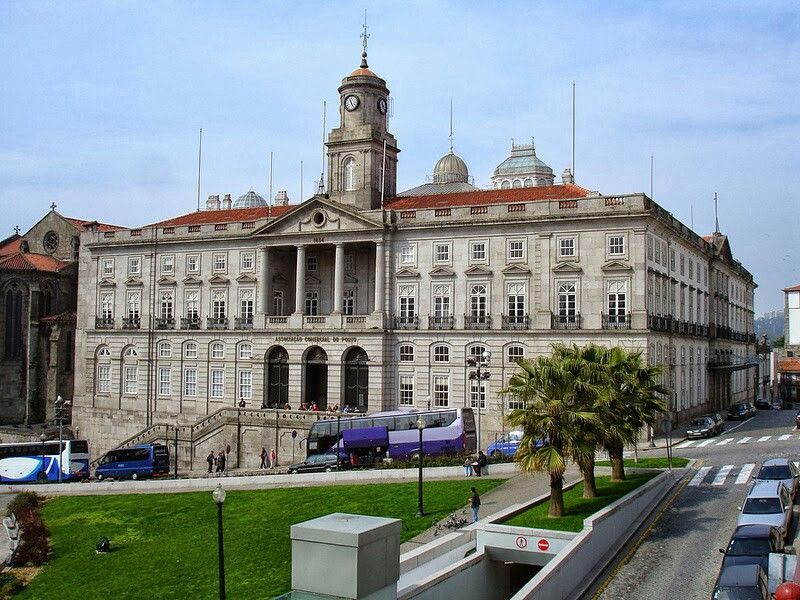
(364, 38)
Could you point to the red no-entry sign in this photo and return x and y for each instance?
(543, 544)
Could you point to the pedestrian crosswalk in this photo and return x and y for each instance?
(723, 475)
(745, 440)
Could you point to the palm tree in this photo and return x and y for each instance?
(555, 407)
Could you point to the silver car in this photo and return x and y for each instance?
(767, 503)
(780, 469)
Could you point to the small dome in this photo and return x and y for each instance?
(523, 161)
(450, 169)
(249, 200)
(360, 72)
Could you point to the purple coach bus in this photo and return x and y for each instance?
(395, 434)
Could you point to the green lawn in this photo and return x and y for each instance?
(656, 462)
(578, 508)
(165, 545)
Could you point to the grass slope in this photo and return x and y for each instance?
(165, 545)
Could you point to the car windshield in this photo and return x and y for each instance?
(775, 472)
(762, 506)
(698, 423)
(749, 547)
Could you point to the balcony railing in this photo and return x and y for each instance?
(477, 322)
(616, 321)
(659, 323)
(441, 322)
(515, 321)
(131, 322)
(406, 322)
(165, 323)
(190, 322)
(243, 322)
(565, 321)
(104, 322)
(217, 322)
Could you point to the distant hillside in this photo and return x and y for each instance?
(770, 324)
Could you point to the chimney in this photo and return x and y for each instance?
(213, 202)
(566, 177)
(226, 202)
(281, 198)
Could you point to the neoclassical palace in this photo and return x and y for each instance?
(364, 297)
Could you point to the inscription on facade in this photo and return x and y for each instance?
(312, 339)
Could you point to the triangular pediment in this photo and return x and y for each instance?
(246, 278)
(218, 279)
(406, 272)
(478, 271)
(517, 269)
(166, 281)
(106, 282)
(192, 280)
(348, 278)
(319, 216)
(133, 282)
(313, 280)
(279, 278)
(615, 265)
(441, 272)
(567, 267)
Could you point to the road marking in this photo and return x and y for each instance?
(763, 438)
(744, 440)
(744, 474)
(785, 437)
(706, 443)
(725, 441)
(722, 475)
(698, 479)
(685, 444)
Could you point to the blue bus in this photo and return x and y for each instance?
(41, 461)
(136, 462)
(395, 434)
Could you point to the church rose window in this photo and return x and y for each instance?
(50, 242)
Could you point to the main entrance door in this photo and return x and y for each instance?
(356, 379)
(277, 384)
(315, 376)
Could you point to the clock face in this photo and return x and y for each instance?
(351, 102)
(382, 105)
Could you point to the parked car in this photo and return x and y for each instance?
(780, 469)
(797, 419)
(752, 545)
(741, 582)
(768, 503)
(741, 410)
(507, 444)
(314, 464)
(701, 427)
(763, 404)
(718, 421)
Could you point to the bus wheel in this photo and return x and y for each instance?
(99, 477)
(41, 477)
(494, 453)
(328, 469)
(415, 456)
(135, 476)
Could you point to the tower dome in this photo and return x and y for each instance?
(249, 200)
(522, 169)
(450, 169)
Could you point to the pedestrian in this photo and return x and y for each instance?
(479, 463)
(468, 467)
(263, 458)
(273, 459)
(475, 503)
(221, 462)
(210, 461)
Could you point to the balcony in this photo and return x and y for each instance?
(406, 322)
(616, 321)
(243, 322)
(659, 323)
(565, 321)
(165, 323)
(217, 322)
(515, 321)
(104, 323)
(131, 322)
(441, 322)
(190, 322)
(477, 322)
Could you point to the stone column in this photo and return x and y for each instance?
(300, 280)
(263, 304)
(379, 276)
(338, 280)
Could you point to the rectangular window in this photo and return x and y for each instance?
(478, 300)
(247, 304)
(691, 269)
(129, 380)
(477, 251)
(165, 382)
(441, 301)
(349, 302)
(515, 402)
(617, 300)
(566, 247)
(683, 264)
(407, 255)
(107, 305)
(407, 301)
(245, 385)
(167, 304)
(220, 263)
(107, 267)
(134, 266)
(516, 250)
(672, 260)
(311, 263)
(477, 392)
(616, 245)
(218, 304)
(104, 379)
(650, 248)
(217, 383)
(134, 301)
(516, 300)
(567, 298)
(167, 265)
(277, 303)
(190, 382)
(406, 390)
(247, 261)
(441, 391)
(349, 263)
(441, 253)
(312, 303)
(193, 263)
(192, 305)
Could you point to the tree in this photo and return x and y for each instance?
(556, 406)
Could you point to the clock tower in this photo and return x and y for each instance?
(356, 147)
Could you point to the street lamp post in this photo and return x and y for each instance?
(239, 408)
(420, 510)
(43, 475)
(61, 406)
(479, 371)
(175, 474)
(219, 498)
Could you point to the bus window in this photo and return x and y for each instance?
(387, 422)
(79, 446)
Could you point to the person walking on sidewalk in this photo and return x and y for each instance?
(221, 462)
(263, 458)
(475, 503)
(273, 459)
(210, 461)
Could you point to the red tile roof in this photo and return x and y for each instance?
(225, 216)
(84, 224)
(789, 365)
(23, 261)
(10, 245)
(794, 288)
(480, 197)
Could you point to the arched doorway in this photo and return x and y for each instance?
(315, 377)
(356, 379)
(277, 385)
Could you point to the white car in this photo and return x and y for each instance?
(767, 503)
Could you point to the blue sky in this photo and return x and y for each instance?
(102, 103)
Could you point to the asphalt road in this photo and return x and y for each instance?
(679, 553)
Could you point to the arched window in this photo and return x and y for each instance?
(245, 351)
(217, 350)
(505, 185)
(349, 173)
(528, 182)
(514, 354)
(277, 373)
(441, 354)
(164, 350)
(13, 324)
(130, 372)
(190, 350)
(103, 384)
(406, 353)
(516, 184)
